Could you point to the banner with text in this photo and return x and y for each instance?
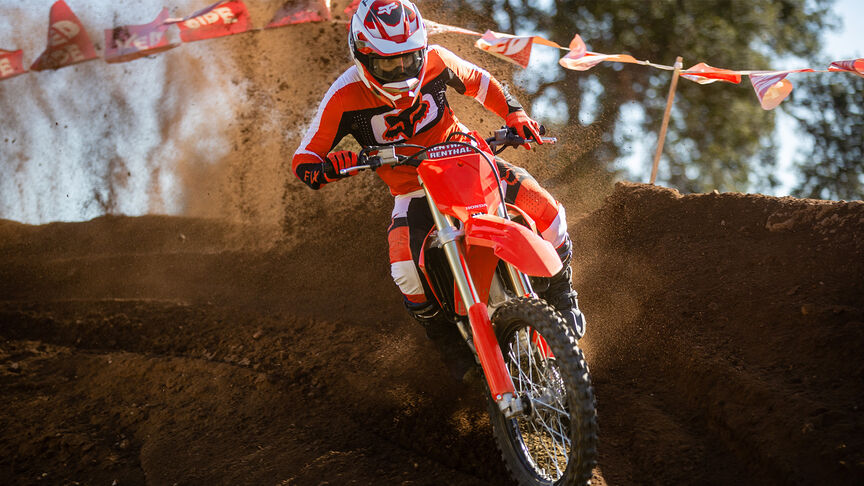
(11, 63)
(130, 42)
(218, 20)
(68, 41)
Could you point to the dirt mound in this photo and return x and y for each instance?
(734, 319)
(724, 338)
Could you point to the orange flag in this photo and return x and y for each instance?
(68, 42)
(11, 63)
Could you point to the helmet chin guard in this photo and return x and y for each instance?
(388, 41)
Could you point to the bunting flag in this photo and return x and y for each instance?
(577, 47)
(220, 19)
(294, 12)
(130, 42)
(68, 42)
(577, 52)
(704, 74)
(352, 7)
(591, 59)
(11, 63)
(771, 88)
(546, 42)
(853, 65)
(434, 28)
(508, 47)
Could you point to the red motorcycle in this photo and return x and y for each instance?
(479, 260)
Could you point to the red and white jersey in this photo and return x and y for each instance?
(351, 108)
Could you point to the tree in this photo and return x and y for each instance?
(829, 109)
(718, 133)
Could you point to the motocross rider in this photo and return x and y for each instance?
(395, 93)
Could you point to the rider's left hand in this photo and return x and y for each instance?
(525, 127)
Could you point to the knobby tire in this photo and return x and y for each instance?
(516, 438)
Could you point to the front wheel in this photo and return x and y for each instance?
(555, 442)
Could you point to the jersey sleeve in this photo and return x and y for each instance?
(321, 136)
(473, 81)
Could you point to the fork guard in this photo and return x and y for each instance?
(514, 244)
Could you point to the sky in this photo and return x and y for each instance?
(94, 138)
(846, 43)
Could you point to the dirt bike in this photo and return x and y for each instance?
(480, 260)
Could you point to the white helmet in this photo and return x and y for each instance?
(388, 44)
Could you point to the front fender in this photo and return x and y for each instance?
(514, 244)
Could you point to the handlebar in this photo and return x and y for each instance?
(386, 154)
(507, 137)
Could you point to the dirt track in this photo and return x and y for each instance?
(725, 336)
(725, 331)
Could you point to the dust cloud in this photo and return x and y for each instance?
(100, 138)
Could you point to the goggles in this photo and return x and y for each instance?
(396, 68)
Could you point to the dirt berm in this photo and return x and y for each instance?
(725, 337)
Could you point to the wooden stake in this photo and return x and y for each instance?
(679, 63)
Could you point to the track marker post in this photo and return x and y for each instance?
(679, 63)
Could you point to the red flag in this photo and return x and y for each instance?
(130, 42)
(350, 9)
(11, 63)
(704, 74)
(853, 65)
(508, 47)
(771, 88)
(68, 42)
(294, 12)
(220, 19)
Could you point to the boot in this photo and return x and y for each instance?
(447, 339)
(560, 294)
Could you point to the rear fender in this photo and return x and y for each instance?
(514, 244)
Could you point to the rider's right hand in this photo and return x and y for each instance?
(337, 161)
(524, 126)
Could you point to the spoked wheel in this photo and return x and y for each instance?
(555, 442)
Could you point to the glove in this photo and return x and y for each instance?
(337, 161)
(525, 127)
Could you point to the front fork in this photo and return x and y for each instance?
(491, 360)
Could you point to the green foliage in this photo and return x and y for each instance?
(829, 108)
(718, 137)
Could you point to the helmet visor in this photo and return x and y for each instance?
(396, 68)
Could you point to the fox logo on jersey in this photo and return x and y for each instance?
(405, 121)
